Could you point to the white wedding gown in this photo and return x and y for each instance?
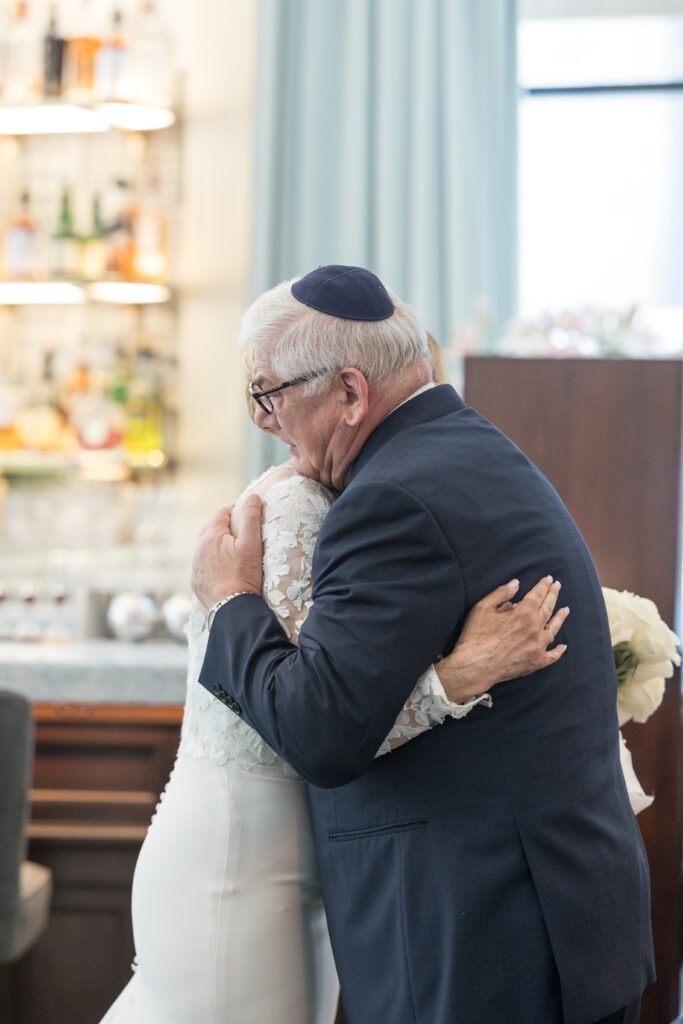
(228, 917)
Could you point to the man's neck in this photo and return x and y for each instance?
(384, 398)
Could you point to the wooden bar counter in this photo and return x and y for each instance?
(99, 771)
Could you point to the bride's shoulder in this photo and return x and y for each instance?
(272, 476)
(286, 492)
(279, 482)
(296, 486)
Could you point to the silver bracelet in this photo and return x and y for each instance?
(219, 604)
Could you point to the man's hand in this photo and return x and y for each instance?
(223, 564)
(501, 640)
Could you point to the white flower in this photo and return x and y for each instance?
(654, 641)
(638, 701)
(637, 796)
(646, 671)
(621, 623)
(646, 655)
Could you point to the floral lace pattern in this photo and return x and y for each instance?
(294, 509)
(426, 707)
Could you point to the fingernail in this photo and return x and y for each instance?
(549, 579)
(566, 611)
(513, 583)
(557, 584)
(561, 647)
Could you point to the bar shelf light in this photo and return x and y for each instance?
(69, 293)
(60, 118)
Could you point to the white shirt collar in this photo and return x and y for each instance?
(425, 387)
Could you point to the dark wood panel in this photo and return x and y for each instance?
(98, 774)
(607, 434)
(79, 966)
(105, 747)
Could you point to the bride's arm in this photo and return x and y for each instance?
(499, 640)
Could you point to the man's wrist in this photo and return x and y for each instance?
(223, 601)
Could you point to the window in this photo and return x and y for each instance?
(601, 167)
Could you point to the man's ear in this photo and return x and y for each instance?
(355, 396)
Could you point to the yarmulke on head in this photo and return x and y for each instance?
(351, 293)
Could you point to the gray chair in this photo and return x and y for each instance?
(25, 887)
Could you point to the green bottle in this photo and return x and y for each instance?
(64, 244)
(94, 246)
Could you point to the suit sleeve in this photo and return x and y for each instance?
(388, 592)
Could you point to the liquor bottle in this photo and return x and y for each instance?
(121, 233)
(53, 56)
(10, 438)
(93, 256)
(144, 409)
(150, 259)
(82, 46)
(152, 59)
(39, 422)
(64, 244)
(20, 245)
(75, 386)
(112, 77)
(22, 59)
(98, 422)
(4, 32)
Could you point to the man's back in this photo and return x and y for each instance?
(504, 839)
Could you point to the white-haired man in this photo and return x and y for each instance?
(492, 869)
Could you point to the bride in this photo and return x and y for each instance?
(228, 918)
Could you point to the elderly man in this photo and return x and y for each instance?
(492, 869)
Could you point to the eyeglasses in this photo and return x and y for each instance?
(260, 396)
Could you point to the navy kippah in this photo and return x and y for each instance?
(349, 292)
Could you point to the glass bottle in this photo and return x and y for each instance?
(152, 68)
(82, 47)
(121, 234)
(23, 76)
(111, 63)
(10, 438)
(63, 243)
(20, 248)
(53, 56)
(93, 260)
(151, 251)
(99, 423)
(39, 422)
(144, 409)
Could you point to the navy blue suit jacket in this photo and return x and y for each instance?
(491, 869)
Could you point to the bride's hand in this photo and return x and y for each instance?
(501, 640)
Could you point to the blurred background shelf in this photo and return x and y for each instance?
(57, 117)
(73, 293)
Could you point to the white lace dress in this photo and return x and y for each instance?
(227, 913)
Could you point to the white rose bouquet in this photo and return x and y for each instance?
(645, 652)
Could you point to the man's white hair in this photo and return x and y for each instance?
(299, 340)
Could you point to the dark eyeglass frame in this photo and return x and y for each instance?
(259, 395)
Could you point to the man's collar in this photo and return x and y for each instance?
(426, 404)
(425, 387)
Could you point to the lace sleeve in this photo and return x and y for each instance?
(426, 707)
(294, 512)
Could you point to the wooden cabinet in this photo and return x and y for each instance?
(607, 434)
(99, 771)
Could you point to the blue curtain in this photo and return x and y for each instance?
(386, 137)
